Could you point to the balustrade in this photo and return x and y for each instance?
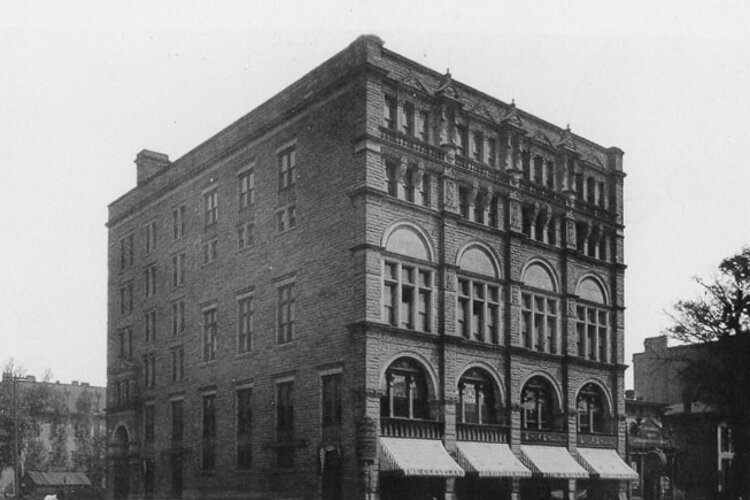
(410, 428)
(482, 433)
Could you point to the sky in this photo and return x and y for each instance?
(85, 85)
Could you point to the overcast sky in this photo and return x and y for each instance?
(84, 86)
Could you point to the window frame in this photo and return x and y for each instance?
(210, 333)
(287, 165)
(539, 339)
(466, 302)
(286, 299)
(211, 206)
(208, 431)
(243, 428)
(245, 323)
(394, 300)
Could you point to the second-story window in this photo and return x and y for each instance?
(478, 310)
(407, 296)
(406, 391)
(211, 207)
(210, 334)
(591, 410)
(285, 424)
(331, 400)
(286, 313)
(476, 398)
(287, 167)
(246, 181)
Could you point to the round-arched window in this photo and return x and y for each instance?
(477, 402)
(406, 394)
(540, 311)
(592, 410)
(538, 405)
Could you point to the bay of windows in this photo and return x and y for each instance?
(591, 410)
(592, 328)
(536, 405)
(407, 301)
(476, 399)
(478, 310)
(539, 322)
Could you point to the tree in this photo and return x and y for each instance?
(719, 319)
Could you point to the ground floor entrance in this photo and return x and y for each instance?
(473, 487)
(411, 488)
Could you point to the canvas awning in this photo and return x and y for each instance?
(40, 478)
(417, 457)
(606, 464)
(490, 460)
(551, 462)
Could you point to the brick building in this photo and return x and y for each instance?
(381, 283)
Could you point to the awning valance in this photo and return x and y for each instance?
(606, 464)
(551, 462)
(490, 460)
(417, 457)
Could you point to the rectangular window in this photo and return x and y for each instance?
(126, 342)
(246, 235)
(550, 174)
(149, 477)
(592, 327)
(407, 119)
(150, 325)
(178, 222)
(407, 293)
(287, 164)
(331, 395)
(149, 236)
(424, 190)
(177, 362)
(178, 270)
(178, 423)
(461, 140)
(286, 218)
(389, 112)
(246, 181)
(126, 298)
(477, 146)
(178, 317)
(148, 423)
(286, 313)
(245, 307)
(423, 124)
(126, 251)
(210, 251)
(244, 428)
(491, 152)
(208, 434)
(478, 310)
(285, 424)
(149, 370)
(464, 202)
(539, 321)
(150, 276)
(211, 207)
(209, 335)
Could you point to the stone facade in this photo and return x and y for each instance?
(397, 217)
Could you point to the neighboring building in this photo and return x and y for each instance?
(701, 440)
(68, 424)
(381, 283)
(650, 449)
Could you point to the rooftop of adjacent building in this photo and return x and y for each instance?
(70, 391)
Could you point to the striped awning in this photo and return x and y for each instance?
(490, 460)
(417, 457)
(551, 462)
(605, 464)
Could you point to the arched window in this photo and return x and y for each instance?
(477, 403)
(540, 311)
(407, 287)
(592, 321)
(406, 391)
(537, 403)
(479, 304)
(591, 409)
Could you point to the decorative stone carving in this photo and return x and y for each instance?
(515, 294)
(450, 194)
(515, 216)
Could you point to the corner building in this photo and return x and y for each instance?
(380, 284)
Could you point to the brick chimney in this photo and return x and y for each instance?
(149, 163)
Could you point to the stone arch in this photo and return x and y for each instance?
(557, 392)
(492, 373)
(478, 258)
(432, 379)
(407, 238)
(540, 274)
(602, 387)
(591, 288)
